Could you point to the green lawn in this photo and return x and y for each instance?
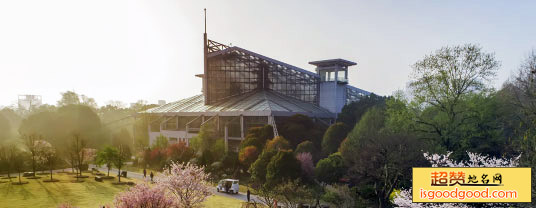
(40, 194)
(220, 201)
(86, 194)
(140, 170)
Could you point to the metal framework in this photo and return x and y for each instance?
(354, 94)
(234, 71)
(214, 46)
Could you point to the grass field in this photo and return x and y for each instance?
(242, 188)
(86, 194)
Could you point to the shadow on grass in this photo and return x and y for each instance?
(8, 189)
(66, 192)
(25, 193)
(50, 194)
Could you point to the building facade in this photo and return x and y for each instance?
(243, 89)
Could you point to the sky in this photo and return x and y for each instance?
(127, 50)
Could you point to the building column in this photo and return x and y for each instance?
(162, 124)
(242, 127)
(218, 123)
(226, 137)
(187, 129)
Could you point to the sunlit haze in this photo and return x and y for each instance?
(128, 50)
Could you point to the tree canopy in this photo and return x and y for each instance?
(283, 166)
(352, 112)
(443, 80)
(333, 137)
(299, 128)
(331, 169)
(58, 126)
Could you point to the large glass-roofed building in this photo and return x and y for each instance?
(243, 89)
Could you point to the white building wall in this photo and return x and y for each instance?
(340, 100)
(332, 96)
(327, 95)
(180, 135)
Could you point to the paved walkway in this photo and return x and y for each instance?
(240, 196)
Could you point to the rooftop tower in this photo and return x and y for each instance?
(333, 80)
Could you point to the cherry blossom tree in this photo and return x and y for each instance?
(34, 144)
(187, 182)
(47, 156)
(144, 196)
(306, 162)
(404, 198)
(89, 154)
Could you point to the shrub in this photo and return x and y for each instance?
(188, 183)
(333, 137)
(248, 155)
(179, 152)
(258, 168)
(331, 169)
(278, 143)
(306, 146)
(144, 196)
(283, 166)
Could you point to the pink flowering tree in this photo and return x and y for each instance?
(34, 144)
(306, 162)
(404, 198)
(42, 150)
(144, 196)
(47, 156)
(89, 154)
(188, 184)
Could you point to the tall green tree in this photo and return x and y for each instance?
(442, 81)
(208, 145)
(6, 154)
(282, 167)
(119, 160)
(257, 136)
(18, 160)
(123, 138)
(331, 169)
(258, 168)
(12, 116)
(333, 137)
(69, 98)
(379, 160)
(352, 112)
(106, 156)
(519, 95)
(299, 128)
(59, 125)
